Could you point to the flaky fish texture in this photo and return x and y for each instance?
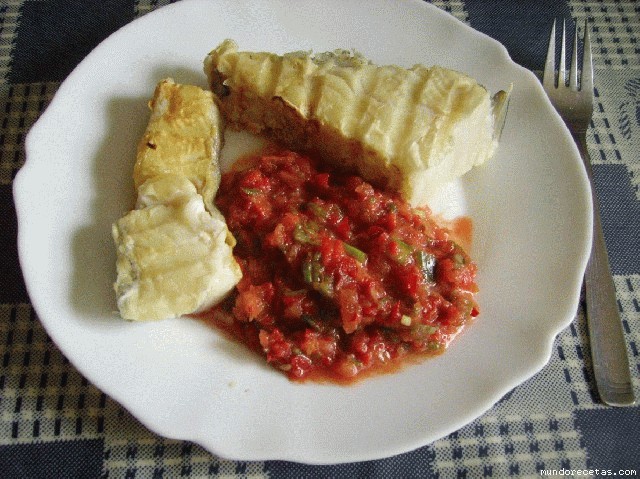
(409, 129)
(174, 250)
(183, 137)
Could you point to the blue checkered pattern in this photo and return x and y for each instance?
(55, 424)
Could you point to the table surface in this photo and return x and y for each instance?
(54, 423)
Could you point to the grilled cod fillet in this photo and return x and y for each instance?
(411, 130)
(174, 251)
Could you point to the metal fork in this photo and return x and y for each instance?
(575, 105)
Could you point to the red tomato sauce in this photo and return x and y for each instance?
(339, 279)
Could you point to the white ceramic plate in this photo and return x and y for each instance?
(530, 206)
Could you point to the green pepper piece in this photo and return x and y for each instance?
(405, 250)
(307, 272)
(318, 210)
(313, 275)
(359, 255)
(306, 233)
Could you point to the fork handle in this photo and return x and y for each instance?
(608, 346)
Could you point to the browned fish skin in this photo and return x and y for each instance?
(184, 137)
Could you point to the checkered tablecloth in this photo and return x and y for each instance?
(55, 424)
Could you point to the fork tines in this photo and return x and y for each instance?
(586, 78)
